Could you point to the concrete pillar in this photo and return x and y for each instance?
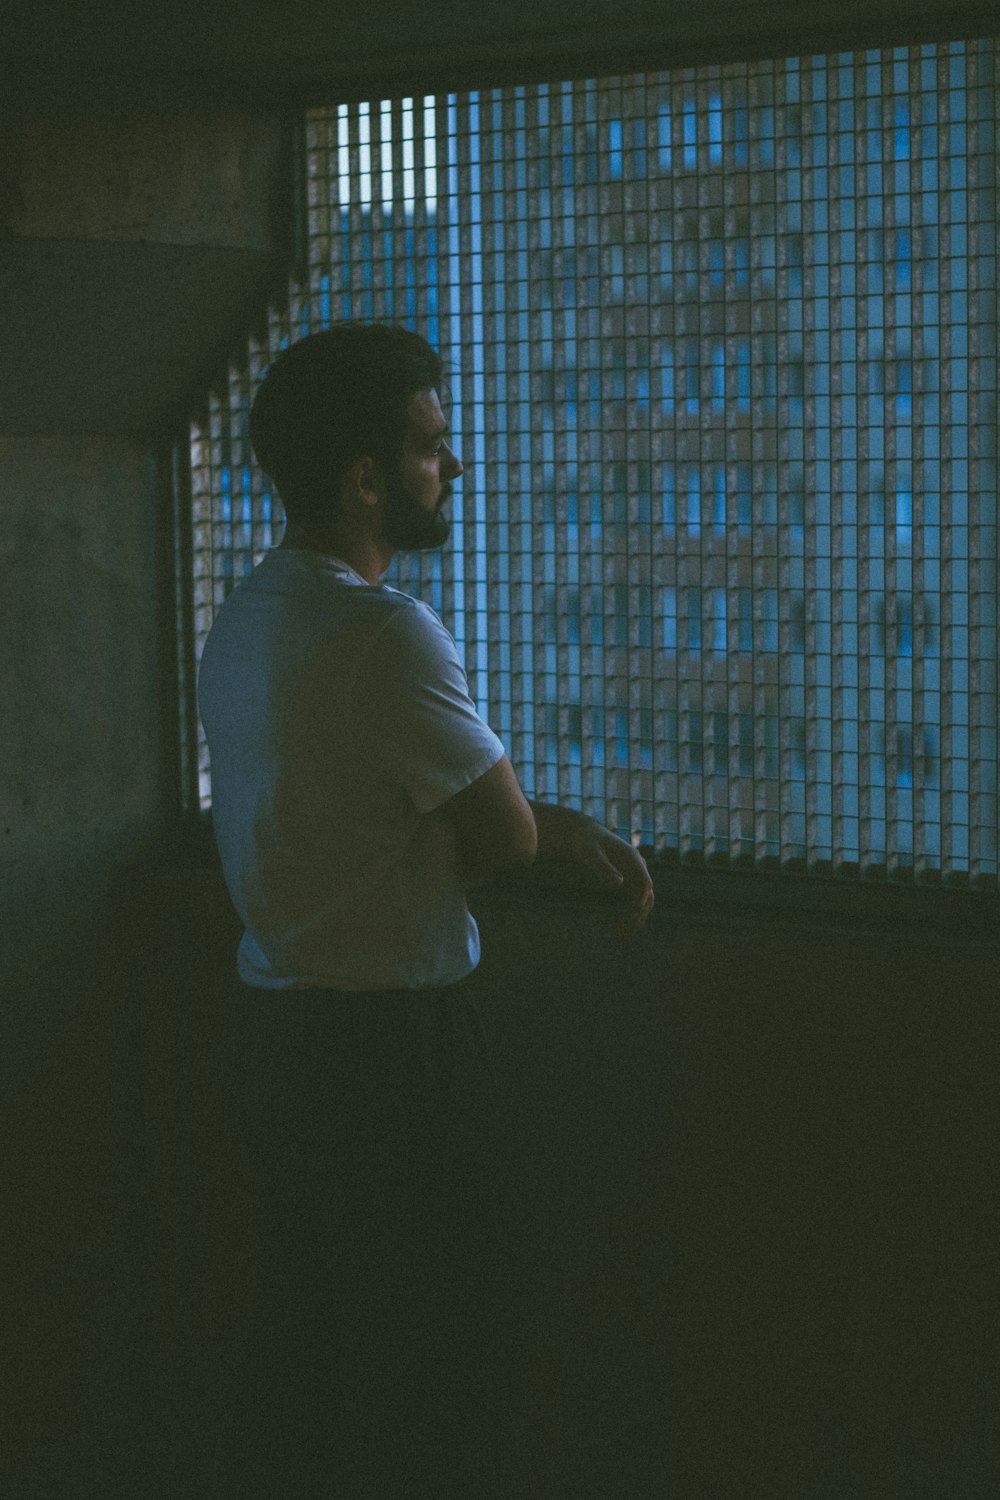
(133, 252)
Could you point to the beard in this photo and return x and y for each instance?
(407, 526)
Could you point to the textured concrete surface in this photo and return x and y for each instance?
(180, 180)
(133, 255)
(80, 721)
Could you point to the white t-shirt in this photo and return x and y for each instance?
(338, 720)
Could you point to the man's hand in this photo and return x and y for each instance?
(567, 834)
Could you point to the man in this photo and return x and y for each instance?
(357, 797)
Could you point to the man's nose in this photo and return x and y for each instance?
(456, 466)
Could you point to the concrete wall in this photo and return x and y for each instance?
(79, 681)
(132, 253)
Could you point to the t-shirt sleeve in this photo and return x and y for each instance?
(412, 700)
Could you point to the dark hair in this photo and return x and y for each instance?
(330, 398)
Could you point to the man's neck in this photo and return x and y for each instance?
(358, 553)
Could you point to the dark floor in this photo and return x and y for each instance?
(761, 1254)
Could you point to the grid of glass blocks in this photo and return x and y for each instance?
(721, 365)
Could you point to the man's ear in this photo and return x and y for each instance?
(365, 479)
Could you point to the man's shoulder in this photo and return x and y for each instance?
(409, 643)
(406, 618)
(299, 581)
(282, 598)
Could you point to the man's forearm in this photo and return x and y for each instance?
(565, 834)
(557, 827)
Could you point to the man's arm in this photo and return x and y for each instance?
(424, 723)
(494, 824)
(564, 833)
(499, 830)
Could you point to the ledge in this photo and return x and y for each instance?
(696, 889)
(814, 900)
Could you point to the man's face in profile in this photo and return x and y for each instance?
(420, 487)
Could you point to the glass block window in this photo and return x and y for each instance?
(722, 369)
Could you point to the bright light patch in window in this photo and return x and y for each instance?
(343, 156)
(364, 156)
(430, 151)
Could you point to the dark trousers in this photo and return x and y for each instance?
(371, 1333)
